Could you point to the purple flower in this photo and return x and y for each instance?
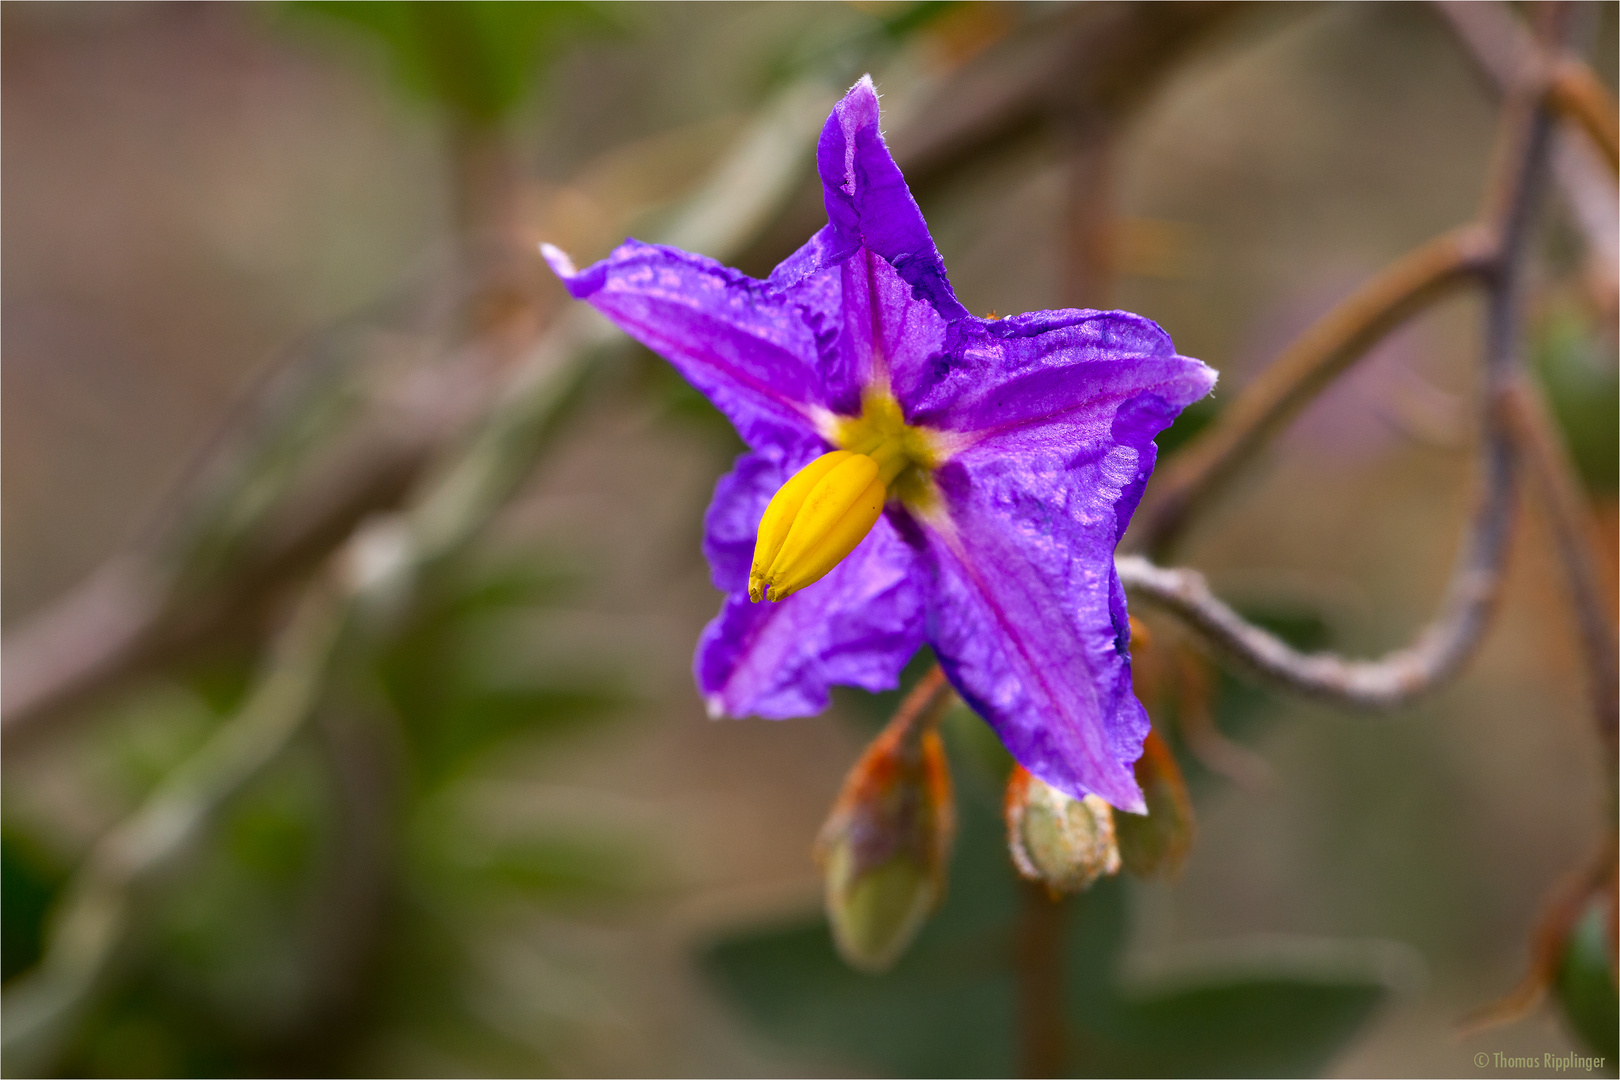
(986, 471)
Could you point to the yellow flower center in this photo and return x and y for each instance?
(827, 508)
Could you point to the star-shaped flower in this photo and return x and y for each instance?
(955, 481)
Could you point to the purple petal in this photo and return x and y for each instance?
(1032, 369)
(855, 627)
(742, 344)
(1027, 614)
(870, 327)
(869, 204)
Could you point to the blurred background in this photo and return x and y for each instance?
(268, 273)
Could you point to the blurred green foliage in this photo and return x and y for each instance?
(949, 1006)
(1193, 419)
(452, 701)
(477, 58)
(327, 916)
(29, 880)
(1582, 383)
(1586, 985)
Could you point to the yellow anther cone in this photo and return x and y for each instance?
(814, 521)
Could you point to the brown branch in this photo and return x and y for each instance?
(1547, 460)
(1579, 95)
(1507, 55)
(1385, 683)
(1202, 470)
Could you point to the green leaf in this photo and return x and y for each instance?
(1586, 988)
(1267, 1016)
(948, 1008)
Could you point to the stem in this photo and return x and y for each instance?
(1560, 911)
(924, 707)
(1041, 1036)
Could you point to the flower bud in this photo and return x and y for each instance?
(1063, 842)
(885, 847)
(1157, 842)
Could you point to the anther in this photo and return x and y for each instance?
(814, 521)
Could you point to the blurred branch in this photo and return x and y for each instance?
(1506, 53)
(1091, 59)
(320, 447)
(1385, 683)
(363, 579)
(1578, 94)
(1098, 58)
(98, 911)
(1549, 466)
(1202, 471)
(1492, 252)
(265, 510)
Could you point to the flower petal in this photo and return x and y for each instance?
(869, 204)
(1047, 680)
(744, 345)
(855, 627)
(869, 324)
(1027, 614)
(1031, 370)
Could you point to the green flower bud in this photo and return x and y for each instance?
(1063, 842)
(885, 847)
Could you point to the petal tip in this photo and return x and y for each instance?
(558, 260)
(1133, 802)
(715, 706)
(863, 95)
